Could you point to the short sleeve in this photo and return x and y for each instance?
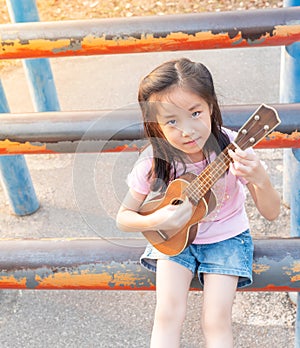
(137, 179)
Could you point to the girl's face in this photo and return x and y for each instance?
(185, 120)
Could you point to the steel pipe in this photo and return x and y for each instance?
(253, 28)
(113, 265)
(116, 130)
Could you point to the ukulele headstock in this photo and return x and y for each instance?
(260, 124)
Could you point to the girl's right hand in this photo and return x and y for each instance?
(172, 218)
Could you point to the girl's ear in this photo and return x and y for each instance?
(211, 107)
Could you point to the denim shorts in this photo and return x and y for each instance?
(233, 256)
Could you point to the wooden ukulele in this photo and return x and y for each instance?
(198, 188)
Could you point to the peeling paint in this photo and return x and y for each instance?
(10, 282)
(260, 268)
(126, 276)
(125, 280)
(293, 272)
(296, 267)
(275, 140)
(92, 264)
(73, 45)
(280, 140)
(250, 34)
(7, 147)
(124, 148)
(147, 42)
(295, 278)
(10, 147)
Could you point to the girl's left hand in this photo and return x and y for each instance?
(247, 165)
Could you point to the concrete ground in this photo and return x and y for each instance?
(68, 209)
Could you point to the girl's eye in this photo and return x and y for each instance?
(196, 114)
(171, 122)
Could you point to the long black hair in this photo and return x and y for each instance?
(191, 76)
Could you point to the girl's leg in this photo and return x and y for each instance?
(172, 287)
(218, 296)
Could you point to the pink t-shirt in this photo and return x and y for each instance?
(227, 220)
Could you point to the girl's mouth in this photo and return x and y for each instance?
(192, 142)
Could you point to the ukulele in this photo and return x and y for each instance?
(198, 188)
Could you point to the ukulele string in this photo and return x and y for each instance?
(200, 185)
(227, 159)
(205, 179)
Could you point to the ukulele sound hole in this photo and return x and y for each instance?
(177, 202)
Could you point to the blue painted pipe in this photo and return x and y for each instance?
(22, 10)
(290, 93)
(3, 101)
(41, 85)
(38, 71)
(295, 216)
(18, 185)
(15, 177)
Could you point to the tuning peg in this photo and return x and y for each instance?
(266, 127)
(252, 140)
(257, 117)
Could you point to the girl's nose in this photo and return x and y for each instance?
(188, 131)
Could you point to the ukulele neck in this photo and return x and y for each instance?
(210, 175)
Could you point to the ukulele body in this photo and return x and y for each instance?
(174, 245)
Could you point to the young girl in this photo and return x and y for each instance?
(183, 122)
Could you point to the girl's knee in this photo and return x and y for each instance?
(170, 313)
(217, 320)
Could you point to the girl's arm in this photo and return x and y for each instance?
(168, 218)
(266, 198)
(128, 219)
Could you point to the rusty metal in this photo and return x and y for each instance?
(113, 265)
(116, 130)
(267, 27)
(7, 147)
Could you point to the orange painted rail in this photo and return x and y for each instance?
(117, 130)
(253, 28)
(7, 147)
(111, 264)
